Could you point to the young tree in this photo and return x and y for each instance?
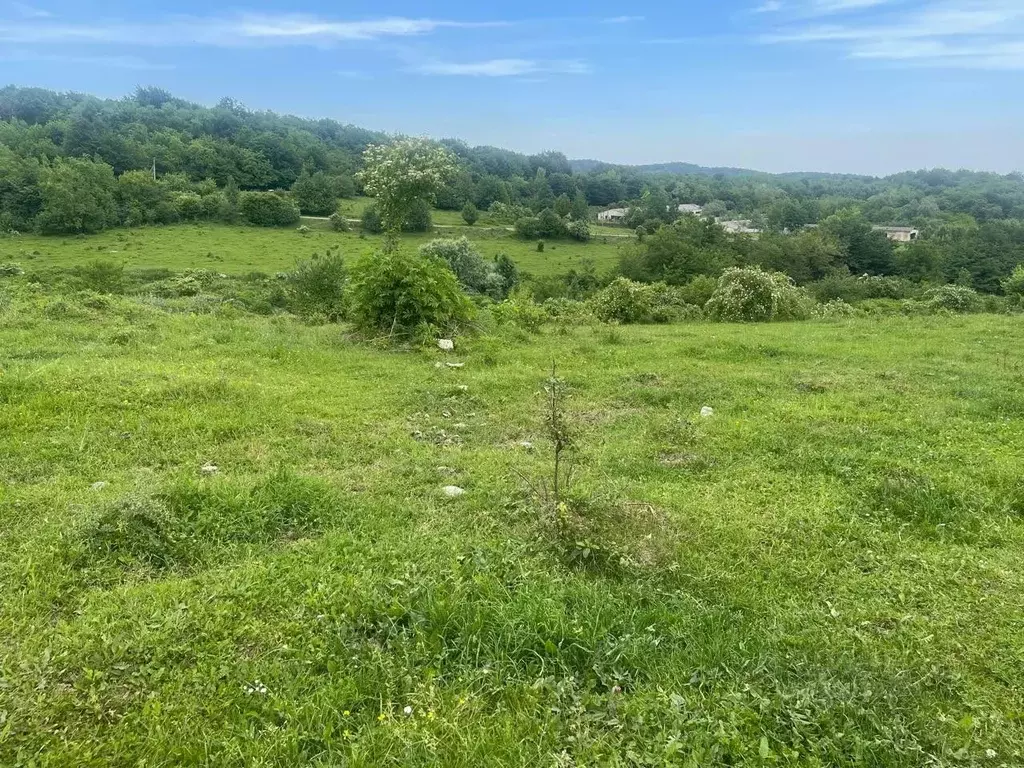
(470, 214)
(78, 196)
(403, 173)
(580, 209)
(563, 205)
(315, 193)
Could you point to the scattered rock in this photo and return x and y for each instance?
(707, 412)
(453, 491)
(456, 365)
(463, 388)
(98, 486)
(209, 469)
(445, 345)
(526, 444)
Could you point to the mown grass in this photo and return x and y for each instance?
(237, 250)
(826, 572)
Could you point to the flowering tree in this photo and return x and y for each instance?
(403, 173)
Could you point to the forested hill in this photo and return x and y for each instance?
(675, 169)
(229, 146)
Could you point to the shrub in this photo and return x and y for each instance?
(835, 309)
(316, 287)
(623, 301)
(579, 230)
(470, 214)
(521, 312)
(102, 276)
(751, 295)
(396, 290)
(267, 209)
(569, 311)
(11, 270)
(1014, 284)
(339, 223)
(188, 206)
(503, 213)
(551, 225)
(668, 305)
(303, 230)
(954, 298)
(508, 270)
(370, 221)
(461, 258)
(698, 291)
(528, 227)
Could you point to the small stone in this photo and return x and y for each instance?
(98, 486)
(445, 345)
(453, 491)
(209, 469)
(526, 444)
(460, 425)
(463, 388)
(456, 365)
(707, 412)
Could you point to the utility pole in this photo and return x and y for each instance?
(154, 169)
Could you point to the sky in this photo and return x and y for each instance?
(855, 86)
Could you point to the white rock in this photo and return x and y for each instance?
(98, 486)
(463, 388)
(707, 412)
(453, 491)
(209, 469)
(526, 444)
(445, 345)
(455, 365)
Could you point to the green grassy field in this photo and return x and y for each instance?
(237, 250)
(824, 573)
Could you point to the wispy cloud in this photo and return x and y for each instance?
(622, 19)
(977, 34)
(115, 62)
(245, 29)
(26, 11)
(503, 68)
(770, 6)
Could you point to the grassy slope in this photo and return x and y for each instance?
(825, 573)
(235, 250)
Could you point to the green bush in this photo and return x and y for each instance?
(698, 291)
(401, 291)
(528, 227)
(521, 312)
(316, 287)
(954, 298)
(623, 301)
(339, 222)
(569, 311)
(470, 214)
(188, 206)
(267, 209)
(418, 219)
(751, 295)
(835, 309)
(579, 230)
(1014, 284)
(370, 221)
(101, 276)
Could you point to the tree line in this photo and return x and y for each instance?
(76, 163)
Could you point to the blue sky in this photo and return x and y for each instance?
(866, 86)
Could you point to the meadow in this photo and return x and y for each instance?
(224, 538)
(237, 250)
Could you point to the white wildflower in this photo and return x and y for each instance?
(407, 711)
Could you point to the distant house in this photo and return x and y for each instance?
(899, 234)
(690, 208)
(739, 227)
(613, 216)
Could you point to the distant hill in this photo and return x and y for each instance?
(690, 169)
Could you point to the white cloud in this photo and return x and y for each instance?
(503, 68)
(29, 11)
(246, 29)
(770, 6)
(979, 34)
(115, 62)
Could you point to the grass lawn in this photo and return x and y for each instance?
(235, 250)
(826, 572)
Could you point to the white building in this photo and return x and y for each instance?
(899, 234)
(613, 216)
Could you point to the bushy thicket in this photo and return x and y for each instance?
(403, 292)
(267, 209)
(751, 295)
(316, 287)
(419, 219)
(626, 301)
(495, 279)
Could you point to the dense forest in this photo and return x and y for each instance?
(75, 163)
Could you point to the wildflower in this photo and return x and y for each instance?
(990, 754)
(407, 710)
(381, 717)
(346, 713)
